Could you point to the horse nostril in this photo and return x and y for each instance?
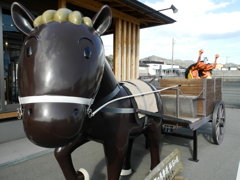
(30, 111)
(75, 112)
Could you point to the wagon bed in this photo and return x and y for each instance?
(191, 105)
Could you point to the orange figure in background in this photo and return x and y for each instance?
(206, 73)
(194, 68)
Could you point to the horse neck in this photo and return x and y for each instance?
(108, 83)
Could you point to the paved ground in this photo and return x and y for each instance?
(216, 162)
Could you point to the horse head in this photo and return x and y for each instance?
(59, 72)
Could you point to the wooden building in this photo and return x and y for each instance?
(129, 16)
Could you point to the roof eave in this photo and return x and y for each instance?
(146, 9)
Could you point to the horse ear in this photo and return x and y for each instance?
(22, 18)
(102, 20)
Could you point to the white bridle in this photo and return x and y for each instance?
(55, 99)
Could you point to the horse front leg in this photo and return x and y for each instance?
(127, 169)
(115, 152)
(63, 156)
(153, 134)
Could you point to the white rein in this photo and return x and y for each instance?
(91, 114)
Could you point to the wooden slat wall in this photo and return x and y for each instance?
(126, 49)
(117, 61)
(210, 96)
(137, 42)
(218, 89)
(189, 87)
(133, 52)
(214, 94)
(124, 52)
(211, 90)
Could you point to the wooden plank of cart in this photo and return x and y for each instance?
(194, 103)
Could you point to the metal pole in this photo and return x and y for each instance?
(227, 63)
(195, 143)
(172, 53)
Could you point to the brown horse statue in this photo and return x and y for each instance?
(63, 77)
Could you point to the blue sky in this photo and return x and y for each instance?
(211, 25)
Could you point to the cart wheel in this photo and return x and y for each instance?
(218, 122)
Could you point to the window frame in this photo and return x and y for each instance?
(4, 108)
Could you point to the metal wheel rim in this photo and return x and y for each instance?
(218, 122)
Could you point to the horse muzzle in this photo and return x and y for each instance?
(52, 125)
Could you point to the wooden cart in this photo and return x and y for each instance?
(194, 103)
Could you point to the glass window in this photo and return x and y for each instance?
(12, 42)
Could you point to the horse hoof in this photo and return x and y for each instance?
(126, 172)
(85, 173)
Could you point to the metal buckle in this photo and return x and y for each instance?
(89, 112)
(20, 112)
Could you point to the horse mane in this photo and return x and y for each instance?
(61, 15)
(188, 69)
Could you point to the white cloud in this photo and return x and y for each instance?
(197, 17)
(234, 45)
(198, 23)
(205, 24)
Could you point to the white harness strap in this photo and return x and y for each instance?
(124, 97)
(54, 99)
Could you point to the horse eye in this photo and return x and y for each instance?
(87, 53)
(29, 51)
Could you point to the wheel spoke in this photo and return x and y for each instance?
(222, 112)
(217, 133)
(218, 121)
(222, 130)
(219, 115)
